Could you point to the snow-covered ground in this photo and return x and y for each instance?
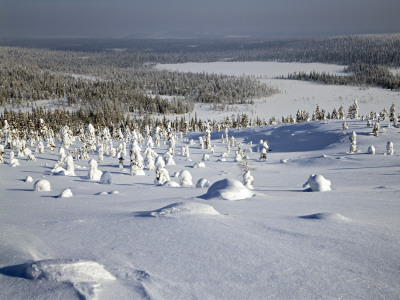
(132, 239)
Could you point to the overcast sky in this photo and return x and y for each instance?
(192, 18)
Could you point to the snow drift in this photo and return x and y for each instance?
(182, 209)
(85, 276)
(228, 189)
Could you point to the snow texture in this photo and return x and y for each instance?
(180, 209)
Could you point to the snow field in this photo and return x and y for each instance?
(159, 242)
(278, 242)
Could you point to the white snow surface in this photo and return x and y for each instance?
(281, 243)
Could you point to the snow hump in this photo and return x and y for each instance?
(85, 276)
(228, 189)
(317, 183)
(42, 185)
(181, 209)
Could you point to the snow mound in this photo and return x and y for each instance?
(171, 183)
(202, 183)
(85, 276)
(28, 179)
(317, 183)
(42, 185)
(371, 150)
(67, 193)
(183, 209)
(228, 189)
(106, 178)
(326, 216)
(199, 165)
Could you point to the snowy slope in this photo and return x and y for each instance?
(157, 242)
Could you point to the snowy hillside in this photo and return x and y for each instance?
(133, 239)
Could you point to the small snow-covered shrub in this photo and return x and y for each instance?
(161, 176)
(199, 165)
(202, 183)
(248, 180)
(67, 193)
(353, 142)
(94, 173)
(28, 179)
(318, 183)
(371, 150)
(185, 178)
(42, 185)
(106, 178)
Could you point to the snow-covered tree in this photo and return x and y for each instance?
(161, 176)
(169, 159)
(248, 180)
(345, 126)
(375, 130)
(185, 178)
(13, 161)
(207, 137)
(94, 173)
(392, 115)
(353, 142)
(1, 154)
(100, 152)
(136, 162)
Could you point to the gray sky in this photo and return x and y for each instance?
(191, 18)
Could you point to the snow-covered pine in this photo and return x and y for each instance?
(185, 178)
(94, 173)
(353, 142)
(345, 126)
(1, 154)
(161, 175)
(248, 180)
(375, 130)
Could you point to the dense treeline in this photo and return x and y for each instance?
(376, 49)
(358, 74)
(379, 49)
(94, 79)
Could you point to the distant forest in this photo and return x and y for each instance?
(103, 80)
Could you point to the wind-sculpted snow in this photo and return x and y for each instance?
(181, 209)
(326, 216)
(188, 242)
(85, 276)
